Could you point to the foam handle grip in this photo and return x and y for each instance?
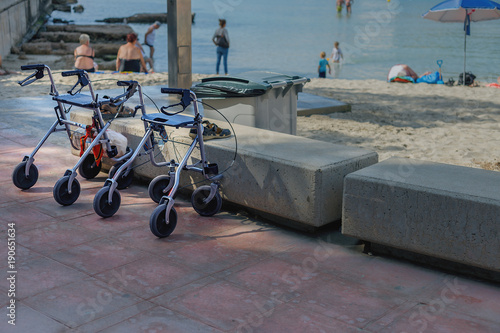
(124, 83)
(75, 72)
(26, 67)
(177, 91)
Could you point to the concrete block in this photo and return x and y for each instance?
(291, 179)
(439, 210)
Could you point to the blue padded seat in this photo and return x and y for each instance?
(177, 120)
(81, 100)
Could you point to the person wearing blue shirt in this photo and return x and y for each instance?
(323, 64)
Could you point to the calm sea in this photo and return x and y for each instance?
(287, 36)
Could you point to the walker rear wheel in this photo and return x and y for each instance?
(61, 194)
(23, 181)
(159, 187)
(198, 201)
(102, 206)
(158, 223)
(123, 181)
(89, 168)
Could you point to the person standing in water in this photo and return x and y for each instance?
(149, 38)
(336, 53)
(221, 40)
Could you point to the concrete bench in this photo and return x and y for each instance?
(439, 210)
(291, 179)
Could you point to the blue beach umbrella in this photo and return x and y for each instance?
(464, 11)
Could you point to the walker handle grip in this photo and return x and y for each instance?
(125, 83)
(37, 67)
(75, 72)
(177, 91)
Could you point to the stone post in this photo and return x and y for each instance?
(179, 43)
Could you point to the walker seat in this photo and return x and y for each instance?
(81, 100)
(177, 120)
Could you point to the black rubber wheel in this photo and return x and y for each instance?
(102, 207)
(205, 209)
(123, 181)
(23, 181)
(61, 194)
(157, 186)
(89, 168)
(157, 222)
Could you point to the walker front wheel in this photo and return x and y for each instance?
(21, 179)
(159, 187)
(102, 206)
(158, 224)
(205, 208)
(61, 193)
(89, 169)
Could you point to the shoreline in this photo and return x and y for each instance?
(454, 125)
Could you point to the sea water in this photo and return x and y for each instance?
(287, 36)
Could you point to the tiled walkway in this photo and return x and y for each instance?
(77, 272)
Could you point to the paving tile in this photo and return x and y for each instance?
(56, 236)
(142, 238)
(435, 317)
(372, 271)
(23, 214)
(263, 238)
(160, 319)
(219, 304)
(480, 300)
(209, 255)
(38, 275)
(81, 207)
(286, 319)
(110, 226)
(9, 146)
(98, 256)
(278, 279)
(151, 277)
(118, 317)
(220, 223)
(29, 320)
(81, 302)
(348, 301)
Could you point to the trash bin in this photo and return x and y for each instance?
(259, 99)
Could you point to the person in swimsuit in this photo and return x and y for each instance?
(129, 57)
(84, 55)
(348, 5)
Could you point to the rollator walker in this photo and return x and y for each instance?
(206, 199)
(67, 189)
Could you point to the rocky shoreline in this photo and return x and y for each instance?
(59, 39)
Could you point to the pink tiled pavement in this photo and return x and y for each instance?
(77, 272)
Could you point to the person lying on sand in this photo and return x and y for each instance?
(404, 70)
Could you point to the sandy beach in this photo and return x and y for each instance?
(455, 125)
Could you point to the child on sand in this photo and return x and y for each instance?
(323, 64)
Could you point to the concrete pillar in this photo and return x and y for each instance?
(179, 43)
